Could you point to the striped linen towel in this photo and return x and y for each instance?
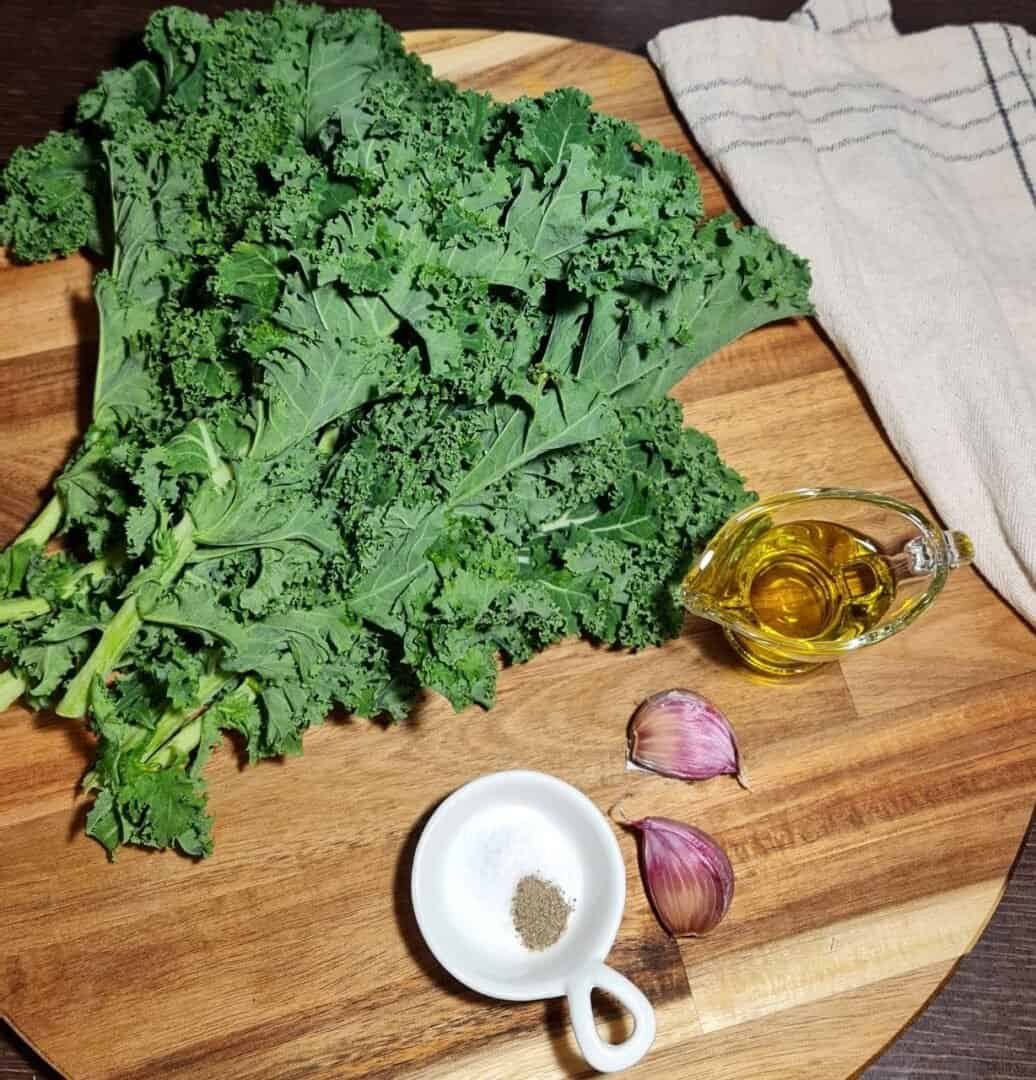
(904, 168)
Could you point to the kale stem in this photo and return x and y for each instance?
(163, 748)
(329, 439)
(125, 624)
(117, 637)
(566, 520)
(11, 689)
(182, 743)
(15, 559)
(44, 525)
(92, 571)
(175, 722)
(23, 607)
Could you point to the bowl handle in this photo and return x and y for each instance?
(601, 1055)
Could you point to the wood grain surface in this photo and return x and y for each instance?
(889, 793)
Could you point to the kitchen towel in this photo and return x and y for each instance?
(904, 168)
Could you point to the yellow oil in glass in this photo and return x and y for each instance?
(799, 585)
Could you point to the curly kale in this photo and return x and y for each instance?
(381, 394)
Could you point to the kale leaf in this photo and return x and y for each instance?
(381, 395)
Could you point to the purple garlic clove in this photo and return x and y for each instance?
(687, 875)
(679, 733)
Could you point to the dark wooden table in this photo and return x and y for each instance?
(982, 1026)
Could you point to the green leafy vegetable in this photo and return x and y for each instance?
(381, 395)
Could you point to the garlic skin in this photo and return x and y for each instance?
(687, 875)
(679, 733)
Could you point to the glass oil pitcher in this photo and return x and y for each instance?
(808, 576)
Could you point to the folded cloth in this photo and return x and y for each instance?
(904, 168)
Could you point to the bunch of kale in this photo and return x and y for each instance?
(381, 395)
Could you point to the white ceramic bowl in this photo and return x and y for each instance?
(472, 853)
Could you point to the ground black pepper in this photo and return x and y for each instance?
(540, 912)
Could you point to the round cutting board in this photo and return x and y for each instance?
(889, 794)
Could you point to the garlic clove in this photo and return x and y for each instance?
(679, 733)
(687, 875)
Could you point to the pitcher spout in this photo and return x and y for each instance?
(704, 605)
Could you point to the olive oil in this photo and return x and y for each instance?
(800, 584)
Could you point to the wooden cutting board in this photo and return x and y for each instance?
(889, 793)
